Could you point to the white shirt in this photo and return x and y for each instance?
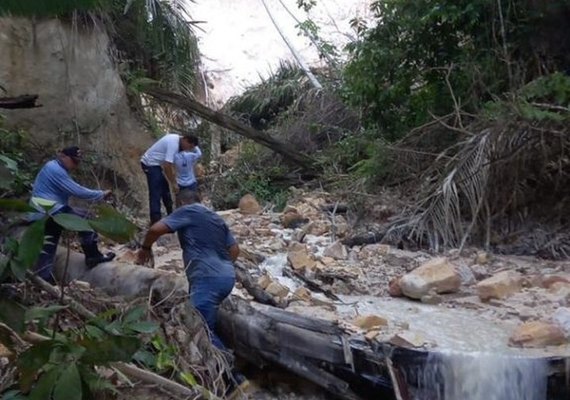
(185, 161)
(162, 151)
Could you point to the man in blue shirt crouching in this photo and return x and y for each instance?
(54, 184)
(208, 251)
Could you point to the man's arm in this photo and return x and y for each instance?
(156, 230)
(234, 252)
(197, 153)
(170, 173)
(66, 184)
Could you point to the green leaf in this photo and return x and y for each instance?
(112, 224)
(135, 314)
(30, 247)
(146, 358)
(72, 222)
(32, 360)
(12, 314)
(43, 313)
(13, 395)
(188, 378)
(15, 205)
(44, 387)
(68, 386)
(143, 327)
(109, 349)
(45, 204)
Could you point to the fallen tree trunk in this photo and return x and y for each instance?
(24, 101)
(225, 121)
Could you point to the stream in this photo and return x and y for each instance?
(469, 358)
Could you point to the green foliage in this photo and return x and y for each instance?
(20, 256)
(16, 169)
(64, 367)
(261, 104)
(156, 36)
(546, 98)
(257, 173)
(424, 57)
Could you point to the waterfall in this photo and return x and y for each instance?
(483, 376)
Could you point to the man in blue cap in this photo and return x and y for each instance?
(55, 184)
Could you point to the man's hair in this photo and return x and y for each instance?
(191, 139)
(187, 196)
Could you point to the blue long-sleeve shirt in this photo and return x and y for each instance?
(54, 183)
(185, 161)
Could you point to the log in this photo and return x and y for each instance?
(23, 101)
(256, 291)
(311, 284)
(225, 121)
(363, 239)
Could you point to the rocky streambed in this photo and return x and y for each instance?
(487, 323)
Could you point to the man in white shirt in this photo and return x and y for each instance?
(158, 166)
(185, 161)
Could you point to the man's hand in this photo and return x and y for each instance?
(107, 194)
(144, 256)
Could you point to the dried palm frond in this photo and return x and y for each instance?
(492, 183)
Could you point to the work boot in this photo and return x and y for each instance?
(98, 259)
(93, 256)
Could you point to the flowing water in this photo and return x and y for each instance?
(482, 376)
(470, 358)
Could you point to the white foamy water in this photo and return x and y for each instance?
(483, 376)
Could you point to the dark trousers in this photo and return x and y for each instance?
(206, 295)
(46, 260)
(193, 187)
(158, 189)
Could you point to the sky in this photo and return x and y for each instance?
(240, 44)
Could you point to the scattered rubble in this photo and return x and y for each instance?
(297, 257)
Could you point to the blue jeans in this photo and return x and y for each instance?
(157, 189)
(206, 295)
(45, 263)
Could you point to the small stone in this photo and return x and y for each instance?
(481, 258)
(466, 275)
(479, 271)
(369, 322)
(301, 259)
(371, 335)
(431, 298)
(277, 290)
(394, 288)
(337, 250)
(561, 318)
(303, 294)
(548, 280)
(537, 334)
(499, 286)
(249, 205)
(292, 220)
(407, 339)
(264, 281)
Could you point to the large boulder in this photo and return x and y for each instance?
(435, 276)
(537, 334)
(499, 286)
(248, 205)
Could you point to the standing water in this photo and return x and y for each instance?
(482, 376)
